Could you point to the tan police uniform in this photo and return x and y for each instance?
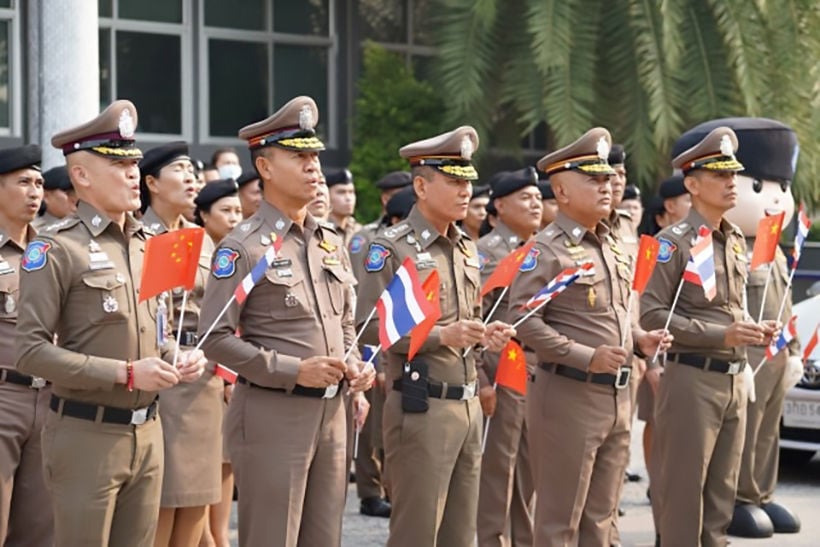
(579, 422)
(287, 441)
(432, 458)
(44, 220)
(79, 283)
(700, 413)
(506, 489)
(25, 512)
(758, 468)
(191, 412)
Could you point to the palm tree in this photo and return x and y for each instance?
(646, 69)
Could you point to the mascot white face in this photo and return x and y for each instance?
(755, 198)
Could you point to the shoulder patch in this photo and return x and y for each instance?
(224, 263)
(36, 256)
(357, 244)
(396, 231)
(665, 250)
(376, 258)
(483, 260)
(531, 261)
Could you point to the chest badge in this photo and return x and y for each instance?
(110, 304)
(327, 246)
(10, 304)
(592, 297)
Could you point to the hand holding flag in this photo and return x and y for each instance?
(787, 334)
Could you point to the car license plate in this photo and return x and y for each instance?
(805, 414)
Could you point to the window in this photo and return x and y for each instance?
(145, 47)
(258, 54)
(402, 26)
(10, 78)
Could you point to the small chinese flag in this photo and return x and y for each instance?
(418, 335)
(171, 260)
(768, 235)
(225, 373)
(506, 269)
(512, 368)
(645, 262)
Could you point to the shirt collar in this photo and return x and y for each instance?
(574, 231)
(426, 234)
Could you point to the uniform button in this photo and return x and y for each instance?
(142, 329)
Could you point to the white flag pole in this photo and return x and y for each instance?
(179, 328)
(669, 318)
(218, 317)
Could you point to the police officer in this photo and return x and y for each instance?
(506, 490)
(25, 514)
(59, 198)
(79, 283)
(579, 459)
(342, 196)
(700, 414)
(250, 192)
(432, 440)
(286, 422)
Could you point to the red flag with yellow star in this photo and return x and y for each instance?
(171, 261)
(767, 238)
(418, 335)
(512, 368)
(506, 269)
(645, 262)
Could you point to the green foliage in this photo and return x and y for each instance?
(392, 109)
(646, 69)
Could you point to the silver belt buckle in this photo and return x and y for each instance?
(622, 378)
(734, 367)
(139, 416)
(331, 391)
(37, 382)
(469, 392)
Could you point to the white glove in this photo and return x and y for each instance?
(749, 382)
(793, 371)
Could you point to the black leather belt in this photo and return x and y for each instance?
(110, 415)
(618, 381)
(188, 338)
(14, 377)
(316, 392)
(460, 392)
(706, 363)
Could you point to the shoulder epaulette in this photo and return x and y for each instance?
(60, 225)
(246, 228)
(396, 230)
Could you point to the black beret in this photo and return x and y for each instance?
(20, 157)
(400, 203)
(246, 177)
(672, 187)
(767, 148)
(490, 208)
(396, 179)
(337, 176)
(617, 154)
(631, 192)
(546, 189)
(57, 178)
(157, 158)
(214, 191)
(505, 183)
(480, 190)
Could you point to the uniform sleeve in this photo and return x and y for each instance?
(535, 332)
(43, 292)
(348, 317)
(223, 346)
(371, 288)
(656, 303)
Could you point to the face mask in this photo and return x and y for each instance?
(230, 171)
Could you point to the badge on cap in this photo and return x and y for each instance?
(356, 244)
(224, 263)
(726, 147)
(126, 124)
(530, 261)
(306, 118)
(376, 258)
(36, 256)
(603, 149)
(665, 250)
(467, 148)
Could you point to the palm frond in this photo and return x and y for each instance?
(550, 24)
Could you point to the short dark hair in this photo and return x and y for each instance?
(423, 171)
(219, 151)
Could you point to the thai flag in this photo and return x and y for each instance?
(402, 305)
(802, 232)
(700, 269)
(555, 287)
(258, 272)
(811, 344)
(786, 336)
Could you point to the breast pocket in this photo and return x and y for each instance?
(338, 283)
(588, 292)
(472, 288)
(286, 296)
(107, 299)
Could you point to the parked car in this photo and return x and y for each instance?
(800, 424)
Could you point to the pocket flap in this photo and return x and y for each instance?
(105, 282)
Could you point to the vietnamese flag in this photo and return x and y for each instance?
(766, 240)
(506, 269)
(171, 260)
(645, 262)
(431, 289)
(512, 368)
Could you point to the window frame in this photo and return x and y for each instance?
(15, 73)
(183, 29)
(270, 38)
